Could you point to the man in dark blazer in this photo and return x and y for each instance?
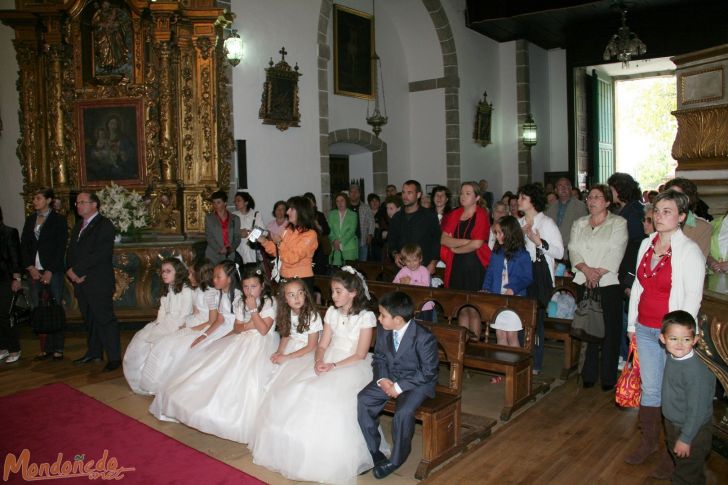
(90, 267)
(405, 369)
(43, 252)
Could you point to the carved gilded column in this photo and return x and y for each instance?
(226, 142)
(56, 133)
(167, 153)
(205, 149)
(185, 105)
(29, 141)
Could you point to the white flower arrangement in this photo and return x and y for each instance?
(125, 208)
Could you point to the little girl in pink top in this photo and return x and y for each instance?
(413, 273)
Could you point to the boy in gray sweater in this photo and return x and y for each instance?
(687, 399)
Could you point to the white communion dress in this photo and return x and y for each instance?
(220, 393)
(309, 431)
(174, 349)
(283, 377)
(173, 309)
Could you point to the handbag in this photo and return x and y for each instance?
(49, 316)
(19, 313)
(542, 286)
(629, 385)
(588, 322)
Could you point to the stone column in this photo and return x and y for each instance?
(523, 97)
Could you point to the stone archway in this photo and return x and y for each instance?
(450, 81)
(369, 142)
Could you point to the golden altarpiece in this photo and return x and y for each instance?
(130, 91)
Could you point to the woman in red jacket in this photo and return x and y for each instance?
(464, 249)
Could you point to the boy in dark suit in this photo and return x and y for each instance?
(405, 369)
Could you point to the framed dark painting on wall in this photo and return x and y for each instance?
(353, 48)
(111, 142)
(553, 177)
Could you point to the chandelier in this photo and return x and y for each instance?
(624, 44)
(375, 118)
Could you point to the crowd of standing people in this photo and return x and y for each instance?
(644, 259)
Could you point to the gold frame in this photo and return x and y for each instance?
(684, 75)
(82, 108)
(340, 10)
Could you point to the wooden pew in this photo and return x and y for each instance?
(385, 272)
(515, 363)
(441, 416)
(558, 329)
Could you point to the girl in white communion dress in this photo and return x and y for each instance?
(205, 325)
(220, 393)
(310, 431)
(174, 307)
(298, 323)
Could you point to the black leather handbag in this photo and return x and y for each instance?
(588, 323)
(542, 287)
(19, 313)
(49, 316)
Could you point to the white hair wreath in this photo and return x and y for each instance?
(351, 270)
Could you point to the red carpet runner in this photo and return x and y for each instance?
(72, 438)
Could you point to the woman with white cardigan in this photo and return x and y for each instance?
(596, 247)
(669, 276)
(542, 233)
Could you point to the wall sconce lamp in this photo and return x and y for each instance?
(483, 117)
(233, 48)
(530, 132)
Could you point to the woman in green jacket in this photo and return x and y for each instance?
(343, 223)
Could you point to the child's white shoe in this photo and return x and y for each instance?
(14, 357)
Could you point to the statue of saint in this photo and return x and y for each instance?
(110, 26)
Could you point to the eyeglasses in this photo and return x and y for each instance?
(82, 202)
(595, 197)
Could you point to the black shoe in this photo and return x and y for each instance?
(587, 385)
(112, 365)
(379, 458)
(42, 356)
(384, 470)
(608, 388)
(86, 360)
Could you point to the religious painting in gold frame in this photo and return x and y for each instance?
(353, 48)
(111, 142)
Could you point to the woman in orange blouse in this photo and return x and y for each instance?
(295, 247)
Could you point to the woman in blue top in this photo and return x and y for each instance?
(509, 273)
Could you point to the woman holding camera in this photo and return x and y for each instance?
(296, 246)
